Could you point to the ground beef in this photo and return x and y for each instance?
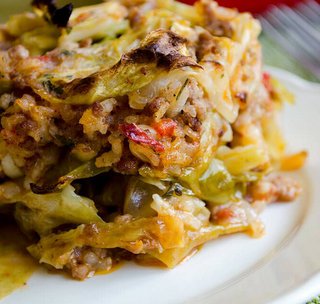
(192, 122)
(275, 188)
(217, 24)
(86, 261)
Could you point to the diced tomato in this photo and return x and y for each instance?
(44, 58)
(266, 79)
(223, 215)
(165, 127)
(82, 17)
(137, 135)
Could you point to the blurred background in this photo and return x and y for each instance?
(291, 36)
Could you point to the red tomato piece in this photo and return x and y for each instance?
(266, 79)
(44, 58)
(223, 215)
(137, 135)
(82, 17)
(165, 127)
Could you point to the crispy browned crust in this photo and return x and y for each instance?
(161, 47)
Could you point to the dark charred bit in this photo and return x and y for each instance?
(50, 188)
(164, 48)
(45, 189)
(139, 56)
(57, 16)
(80, 86)
(60, 17)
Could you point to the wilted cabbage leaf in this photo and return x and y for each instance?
(43, 212)
(160, 51)
(144, 235)
(82, 171)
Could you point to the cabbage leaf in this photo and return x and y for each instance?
(134, 236)
(42, 212)
(160, 51)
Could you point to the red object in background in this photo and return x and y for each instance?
(253, 6)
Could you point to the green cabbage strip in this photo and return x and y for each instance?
(43, 212)
(134, 236)
(173, 242)
(160, 51)
(85, 170)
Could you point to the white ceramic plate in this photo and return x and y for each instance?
(282, 267)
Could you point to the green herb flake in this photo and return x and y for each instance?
(66, 53)
(51, 88)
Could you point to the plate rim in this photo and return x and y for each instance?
(309, 288)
